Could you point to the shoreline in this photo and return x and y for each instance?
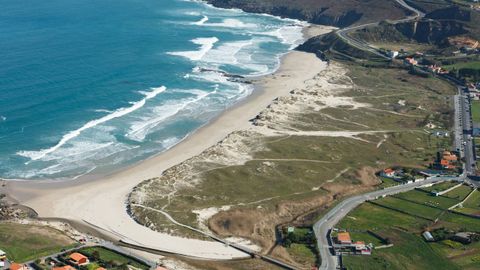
(100, 202)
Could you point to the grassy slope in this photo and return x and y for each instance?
(28, 242)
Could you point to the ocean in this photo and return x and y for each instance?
(91, 86)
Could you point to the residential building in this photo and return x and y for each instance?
(388, 172)
(3, 255)
(344, 238)
(411, 61)
(78, 259)
(17, 266)
(66, 267)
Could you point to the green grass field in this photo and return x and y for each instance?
(28, 242)
(411, 208)
(371, 217)
(474, 200)
(113, 258)
(459, 193)
(441, 186)
(422, 197)
(469, 65)
(409, 252)
(476, 111)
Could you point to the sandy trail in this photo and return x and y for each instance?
(101, 203)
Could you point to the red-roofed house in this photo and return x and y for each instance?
(78, 258)
(389, 172)
(17, 266)
(66, 267)
(344, 238)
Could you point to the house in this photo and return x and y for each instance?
(359, 245)
(66, 267)
(100, 268)
(3, 255)
(161, 268)
(78, 259)
(411, 61)
(428, 236)
(447, 155)
(17, 266)
(389, 172)
(344, 238)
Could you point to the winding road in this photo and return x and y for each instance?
(362, 45)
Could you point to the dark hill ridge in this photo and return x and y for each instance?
(340, 13)
(435, 29)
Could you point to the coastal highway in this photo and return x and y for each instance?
(362, 45)
(323, 226)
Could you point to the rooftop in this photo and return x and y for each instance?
(344, 237)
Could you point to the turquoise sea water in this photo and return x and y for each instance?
(94, 85)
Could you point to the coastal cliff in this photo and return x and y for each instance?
(339, 13)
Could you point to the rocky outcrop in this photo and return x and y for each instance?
(340, 13)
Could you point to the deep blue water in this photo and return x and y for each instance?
(93, 85)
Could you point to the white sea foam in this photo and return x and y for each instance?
(3, 118)
(290, 35)
(230, 23)
(170, 142)
(226, 53)
(35, 155)
(140, 129)
(202, 21)
(103, 111)
(206, 44)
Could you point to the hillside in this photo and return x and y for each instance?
(340, 13)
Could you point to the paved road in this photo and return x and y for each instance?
(324, 225)
(362, 45)
(467, 128)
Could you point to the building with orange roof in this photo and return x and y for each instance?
(344, 238)
(66, 267)
(78, 258)
(100, 268)
(161, 268)
(389, 172)
(17, 266)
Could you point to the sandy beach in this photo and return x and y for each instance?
(101, 203)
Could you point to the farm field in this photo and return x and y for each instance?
(441, 186)
(459, 193)
(410, 208)
(475, 111)
(402, 219)
(425, 198)
(113, 259)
